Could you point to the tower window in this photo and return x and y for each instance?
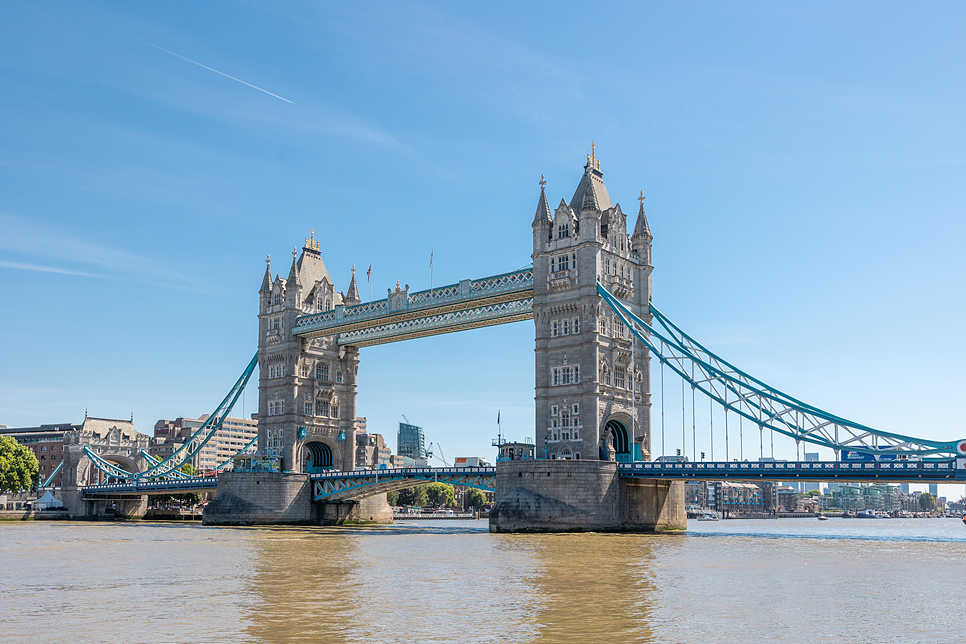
(309, 409)
(555, 376)
(322, 371)
(553, 329)
(553, 264)
(575, 409)
(563, 263)
(566, 375)
(576, 370)
(322, 407)
(619, 374)
(304, 371)
(553, 410)
(576, 325)
(563, 230)
(338, 377)
(566, 327)
(277, 298)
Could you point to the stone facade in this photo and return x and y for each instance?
(582, 496)
(306, 388)
(585, 360)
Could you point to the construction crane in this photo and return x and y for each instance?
(442, 456)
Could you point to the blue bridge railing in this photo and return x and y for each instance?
(933, 470)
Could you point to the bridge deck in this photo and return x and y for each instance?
(470, 304)
(140, 488)
(883, 471)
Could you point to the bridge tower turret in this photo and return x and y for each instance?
(586, 364)
(306, 387)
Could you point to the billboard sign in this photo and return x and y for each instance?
(854, 455)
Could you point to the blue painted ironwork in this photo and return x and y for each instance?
(243, 450)
(154, 460)
(50, 478)
(349, 486)
(928, 471)
(469, 304)
(760, 403)
(189, 448)
(141, 487)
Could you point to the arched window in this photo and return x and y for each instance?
(322, 371)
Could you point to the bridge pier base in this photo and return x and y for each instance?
(582, 496)
(127, 507)
(371, 509)
(253, 498)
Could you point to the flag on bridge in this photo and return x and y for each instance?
(369, 273)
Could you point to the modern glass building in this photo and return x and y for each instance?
(411, 441)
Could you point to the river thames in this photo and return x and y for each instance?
(791, 580)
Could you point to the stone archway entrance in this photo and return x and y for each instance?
(622, 443)
(318, 457)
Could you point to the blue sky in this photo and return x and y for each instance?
(804, 170)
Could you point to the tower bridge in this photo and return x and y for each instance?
(588, 292)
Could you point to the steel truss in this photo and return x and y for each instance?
(449, 322)
(760, 403)
(50, 479)
(335, 487)
(470, 304)
(878, 471)
(171, 465)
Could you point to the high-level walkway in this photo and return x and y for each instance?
(470, 304)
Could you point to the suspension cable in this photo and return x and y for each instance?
(663, 452)
(741, 437)
(694, 435)
(727, 454)
(711, 414)
(684, 418)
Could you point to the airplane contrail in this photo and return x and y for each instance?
(194, 62)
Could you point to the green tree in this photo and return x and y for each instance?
(475, 498)
(19, 469)
(415, 496)
(927, 502)
(392, 498)
(441, 494)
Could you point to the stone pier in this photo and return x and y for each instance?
(273, 498)
(582, 496)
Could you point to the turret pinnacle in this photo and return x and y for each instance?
(267, 280)
(591, 193)
(641, 229)
(543, 208)
(293, 275)
(352, 295)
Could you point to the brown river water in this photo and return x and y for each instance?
(792, 580)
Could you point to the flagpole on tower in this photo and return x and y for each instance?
(432, 248)
(369, 279)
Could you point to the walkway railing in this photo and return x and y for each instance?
(467, 291)
(933, 470)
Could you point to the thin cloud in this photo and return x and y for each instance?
(210, 69)
(44, 269)
(25, 237)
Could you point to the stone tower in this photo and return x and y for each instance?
(586, 364)
(306, 388)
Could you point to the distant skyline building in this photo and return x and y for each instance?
(411, 441)
(235, 433)
(934, 489)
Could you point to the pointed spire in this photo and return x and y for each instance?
(293, 275)
(543, 208)
(641, 229)
(267, 280)
(352, 295)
